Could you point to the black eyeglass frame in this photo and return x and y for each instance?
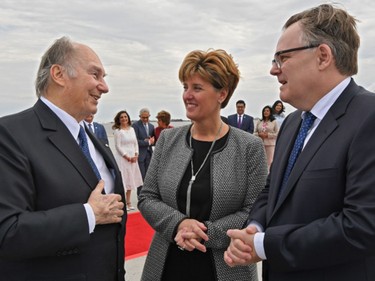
(278, 62)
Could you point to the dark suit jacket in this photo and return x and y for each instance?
(45, 180)
(100, 132)
(141, 134)
(323, 225)
(246, 125)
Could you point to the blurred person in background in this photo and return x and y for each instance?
(145, 133)
(240, 119)
(126, 145)
(267, 129)
(96, 128)
(278, 110)
(164, 120)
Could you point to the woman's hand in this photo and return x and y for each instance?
(131, 159)
(134, 159)
(190, 234)
(263, 135)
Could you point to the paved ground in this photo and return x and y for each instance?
(134, 269)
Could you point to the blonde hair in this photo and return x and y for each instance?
(214, 66)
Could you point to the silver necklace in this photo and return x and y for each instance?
(194, 176)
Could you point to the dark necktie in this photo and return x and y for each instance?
(85, 149)
(239, 121)
(90, 128)
(146, 128)
(297, 148)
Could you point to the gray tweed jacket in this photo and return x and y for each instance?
(238, 175)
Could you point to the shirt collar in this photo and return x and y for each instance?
(67, 119)
(321, 108)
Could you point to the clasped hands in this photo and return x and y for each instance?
(241, 249)
(131, 159)
(108, 208)
(190, 234)
(263, 135)
(150, 140)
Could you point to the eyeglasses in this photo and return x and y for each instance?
(277, 61)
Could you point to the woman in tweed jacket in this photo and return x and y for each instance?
(202, 179)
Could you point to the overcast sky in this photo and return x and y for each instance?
(143, 42)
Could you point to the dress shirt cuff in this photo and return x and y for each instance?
(257, 225)
(258, 244)
(90, 217)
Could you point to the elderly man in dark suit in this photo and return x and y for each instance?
(240, 119)
(315, 220)
(97, 128)
(61, 197)
(145, 133)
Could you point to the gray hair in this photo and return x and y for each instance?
(62, 53)
(144, 110)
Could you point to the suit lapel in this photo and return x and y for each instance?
(141, 128)
(322, 132)
(104, 150)
(110, 161)
(283, 148)
(63, 140)
(244, 121)
(96, 128)
(325, 128)
(75, 156)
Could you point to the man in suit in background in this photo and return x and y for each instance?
(145, 133)
(97, 128)
(315, 219)
(62, 211)
(241, 120)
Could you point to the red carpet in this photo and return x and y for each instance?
(138, 236)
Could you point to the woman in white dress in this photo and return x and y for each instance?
(127, 154)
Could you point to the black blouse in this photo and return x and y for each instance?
(195, 265)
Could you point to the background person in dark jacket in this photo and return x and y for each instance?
(97, 128)
(240, 119)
